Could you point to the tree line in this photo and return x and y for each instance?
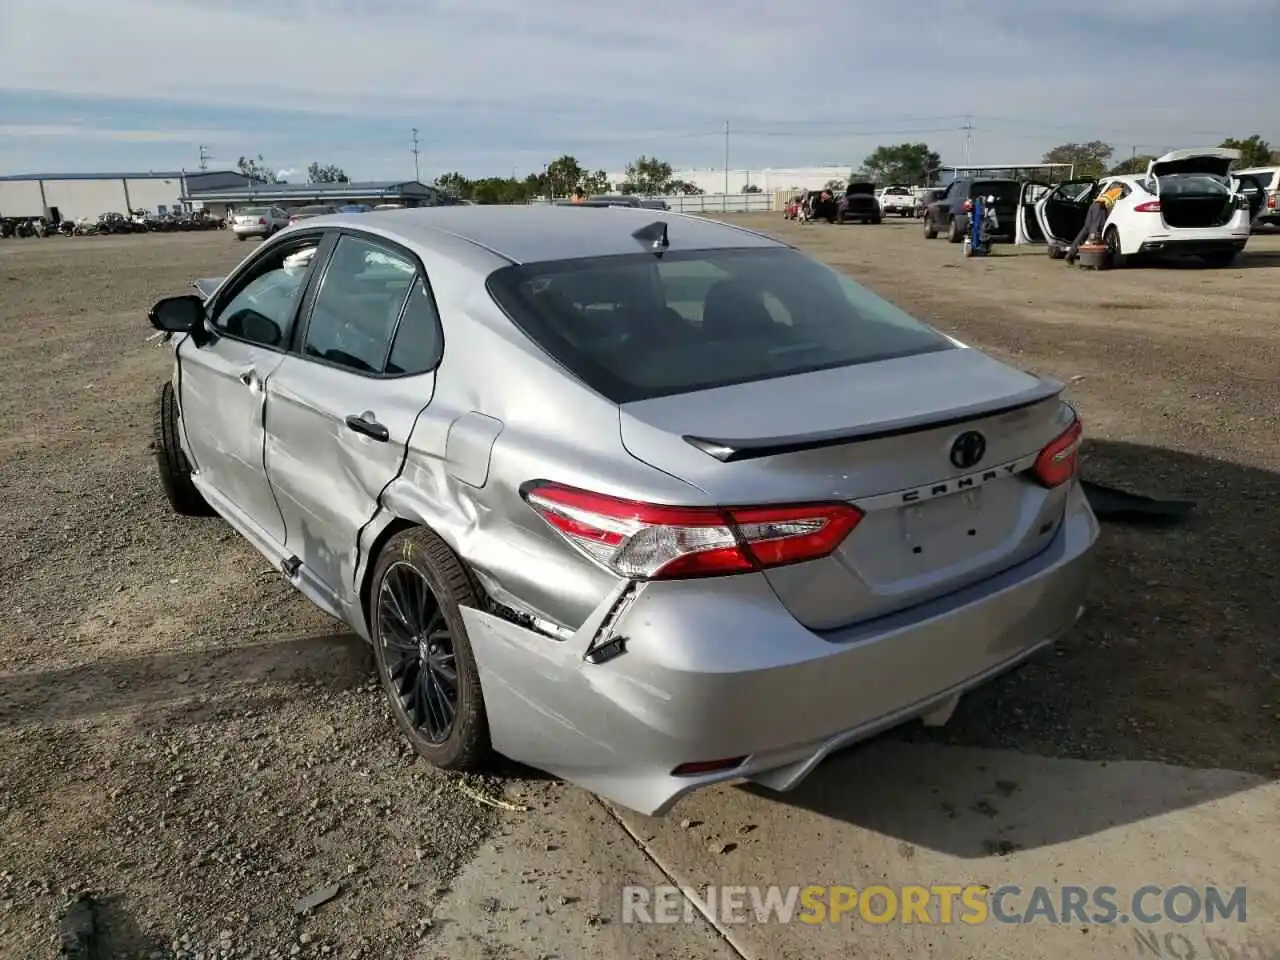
(645, 176)
(915, 163)
(906, 163)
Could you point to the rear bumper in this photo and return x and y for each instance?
(720, 669)
(251, 230)
(1192, 246)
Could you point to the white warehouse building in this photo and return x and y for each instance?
(768, 179)
(70, 196)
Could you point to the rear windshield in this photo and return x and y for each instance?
(255, 212)
(638, 327)
(314, 210)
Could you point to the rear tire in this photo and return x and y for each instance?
(929, 231)
(1115, 258)
(954, 233)
(1223, 258)
(240, 237)
(174, 469)
(420, 552)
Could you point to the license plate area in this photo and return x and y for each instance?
(944, 529)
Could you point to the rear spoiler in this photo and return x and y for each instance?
(208, 285)
(731, 451)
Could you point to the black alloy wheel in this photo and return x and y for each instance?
(418, 651)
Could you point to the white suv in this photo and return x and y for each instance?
(259, 222)
(1262, 185)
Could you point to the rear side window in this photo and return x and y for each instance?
(636, 327)
(356, 308)
(418, 345)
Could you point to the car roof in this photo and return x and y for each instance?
(537, 233)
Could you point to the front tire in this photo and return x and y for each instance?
(422, 650)
(174, 469)
(929, 231)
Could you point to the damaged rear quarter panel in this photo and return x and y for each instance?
(496, 390)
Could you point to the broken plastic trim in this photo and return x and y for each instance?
(605, 645)
(529, 621)
(1120, 506)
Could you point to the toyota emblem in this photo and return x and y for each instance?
(968, 449)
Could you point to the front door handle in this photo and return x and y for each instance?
(370, 428)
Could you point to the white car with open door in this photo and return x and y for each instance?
(1186, 204)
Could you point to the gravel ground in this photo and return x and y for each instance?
(183, 735)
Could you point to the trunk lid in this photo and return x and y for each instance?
(1211, 160)
(880, 435)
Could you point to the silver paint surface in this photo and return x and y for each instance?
(824, 652)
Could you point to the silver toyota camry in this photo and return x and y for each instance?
(643, 500)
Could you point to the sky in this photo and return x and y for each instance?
(496, 87)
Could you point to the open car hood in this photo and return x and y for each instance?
(1214, 160)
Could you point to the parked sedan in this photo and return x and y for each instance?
(859, 203)
(258, 222)
(1187, 203)
(315, 210)
(644, 500)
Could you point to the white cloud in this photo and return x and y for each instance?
(502, 78)
(86, 132)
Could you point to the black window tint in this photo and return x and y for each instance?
(356, 308)
(634, 327)
(417, 345)
(262, 310)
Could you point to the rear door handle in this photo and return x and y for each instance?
(370, 428)
(251, 379)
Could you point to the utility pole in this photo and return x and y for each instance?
(968, 139)
(205, 157)
(417, 173)
(725, 198)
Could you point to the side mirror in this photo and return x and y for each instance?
(178, 314)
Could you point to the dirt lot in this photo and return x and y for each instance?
(183, 734)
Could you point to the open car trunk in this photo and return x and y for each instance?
(1008, 198)
(1194, 200)
(1193, 186)
(885, 435)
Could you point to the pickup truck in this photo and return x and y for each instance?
(899, 200)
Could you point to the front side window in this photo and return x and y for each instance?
(359, 301)
(262, 310)
(635, 327)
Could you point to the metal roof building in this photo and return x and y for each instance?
(69, 196)
(410, 193)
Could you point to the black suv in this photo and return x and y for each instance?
(949, 214)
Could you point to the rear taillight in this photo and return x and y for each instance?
(1151, 206)
(262, 221)
(1271, 202)
(1058, 462)
(650, 542)
(968, 206)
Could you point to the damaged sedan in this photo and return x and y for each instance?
(649, 504)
